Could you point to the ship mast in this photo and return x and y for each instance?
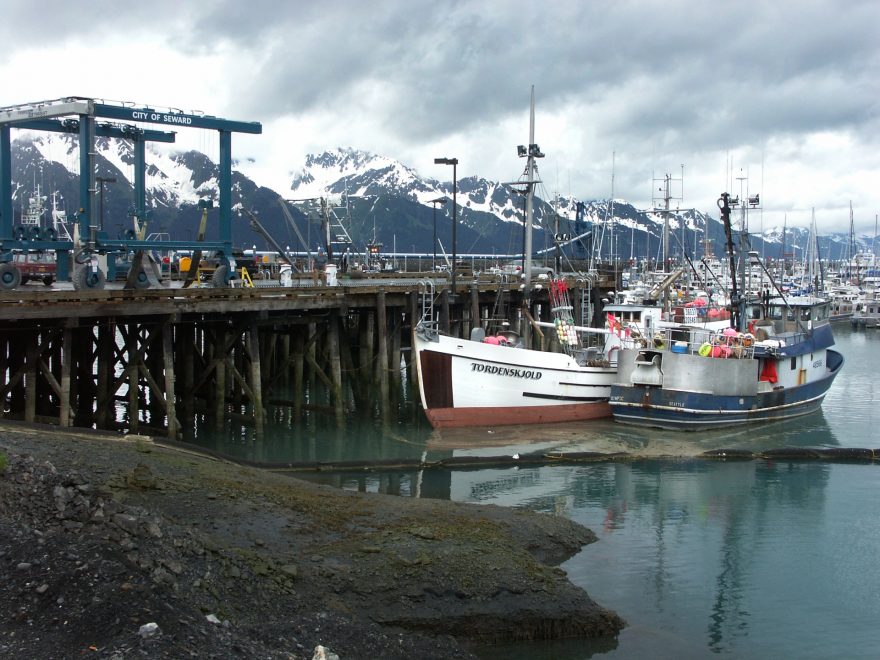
(724, 204)
(531, 153)
(531, 180)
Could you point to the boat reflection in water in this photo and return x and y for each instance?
(510, 450)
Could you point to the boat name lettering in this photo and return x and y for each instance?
(506, 371)
(818, 364)
(676, 404)
(140, 115)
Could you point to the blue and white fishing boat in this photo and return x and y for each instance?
(775, 361)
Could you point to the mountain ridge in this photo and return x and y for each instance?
(387, 202)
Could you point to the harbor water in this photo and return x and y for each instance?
(702, 558)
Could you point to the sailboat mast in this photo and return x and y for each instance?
(784, 229)
(613, 255)
(851, 252)
(874, 240)
(530, 193)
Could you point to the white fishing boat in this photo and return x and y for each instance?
(867, 310)
(844, 298)
(497, 379)
(463, 382)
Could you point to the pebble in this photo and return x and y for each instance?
(23, 566)
(126, 523)
(323, 653)
(148, 630)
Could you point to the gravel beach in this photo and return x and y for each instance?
(117, 547)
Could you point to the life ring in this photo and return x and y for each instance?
(705, 349)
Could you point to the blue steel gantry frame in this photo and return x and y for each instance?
(81, 113)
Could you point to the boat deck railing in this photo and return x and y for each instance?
(702, 342)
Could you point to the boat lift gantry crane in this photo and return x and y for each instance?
(79, 115)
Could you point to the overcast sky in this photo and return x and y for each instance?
(783, 92)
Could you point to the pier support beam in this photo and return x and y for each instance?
(336, 370)
(65, 418)
(256, 384)
(170, 395)
(382, 356)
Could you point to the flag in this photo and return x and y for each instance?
(613, 323)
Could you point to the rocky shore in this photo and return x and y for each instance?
(122, 547)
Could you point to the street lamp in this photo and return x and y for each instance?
(101, 181)
(439, 200)
(454, 163)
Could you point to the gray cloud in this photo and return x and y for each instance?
(655, 81)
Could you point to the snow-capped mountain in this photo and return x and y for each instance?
(377, 198)
(175, 182)
(484, 203)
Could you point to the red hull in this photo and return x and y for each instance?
(457, 417)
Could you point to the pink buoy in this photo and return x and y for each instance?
(491, 340)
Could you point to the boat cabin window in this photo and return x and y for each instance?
(776, 312)
(793, 363)
(754, 312)
(805, 313)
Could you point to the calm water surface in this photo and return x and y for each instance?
(756, 559)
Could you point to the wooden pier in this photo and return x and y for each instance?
(149, 360)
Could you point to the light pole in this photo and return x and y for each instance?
(101, 181)
(454, 163)
(439, 200)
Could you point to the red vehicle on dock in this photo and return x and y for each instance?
(36, 266)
